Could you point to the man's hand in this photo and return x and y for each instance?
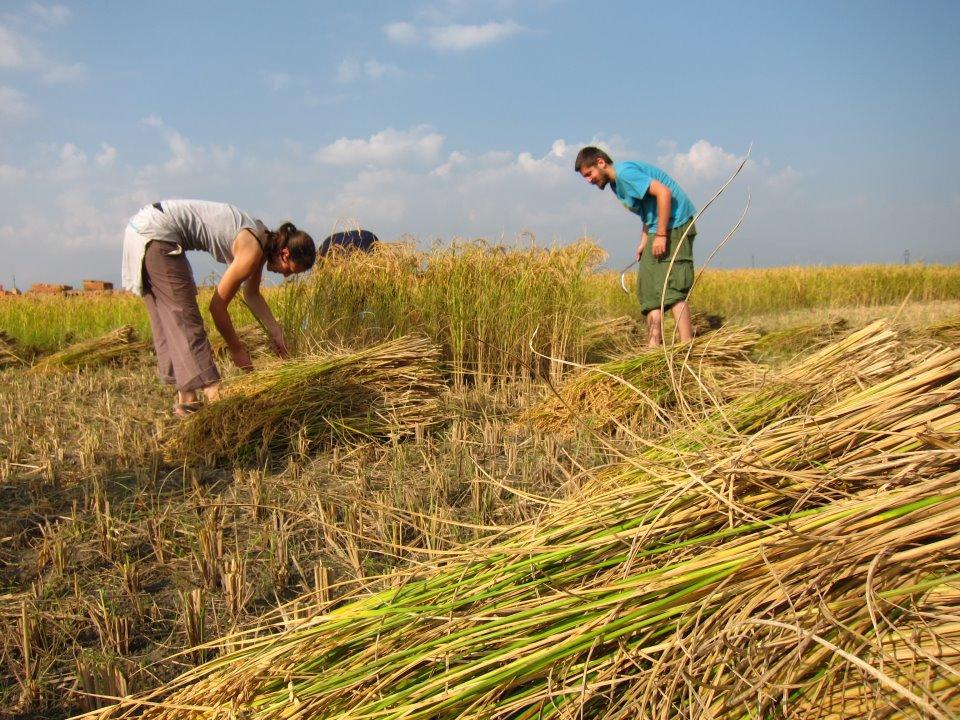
(659, 246)
(641, 246)
(241, 358)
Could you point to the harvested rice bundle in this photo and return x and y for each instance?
(111, 347)
(253, 338)
(946, 331)
(824, 555)
(645, 383)
(790, 341)
(11, 354)
(602, 337)
(298, 405)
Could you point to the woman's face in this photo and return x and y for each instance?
(283, 264)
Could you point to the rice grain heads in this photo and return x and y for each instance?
(296, 406)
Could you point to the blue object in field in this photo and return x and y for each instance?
(363, 240)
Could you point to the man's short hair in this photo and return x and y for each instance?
(588, 158)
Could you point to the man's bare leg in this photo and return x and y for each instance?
(681, 313)
(654, 329)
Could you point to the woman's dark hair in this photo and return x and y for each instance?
(303, 253)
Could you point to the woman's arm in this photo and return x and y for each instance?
(247, 259)
(258, 306)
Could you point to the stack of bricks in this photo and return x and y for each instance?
(49, 289)
(97, 287)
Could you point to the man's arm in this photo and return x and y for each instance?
(664, 197)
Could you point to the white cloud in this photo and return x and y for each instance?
(465, 37)
(72, 163)
(785, 178)
(703, 162)
(348, 71)
(420, 144)
(11, 173)
(402, 32)
(56, 73)
(50, 14)
(456, 158)
(276, 81)
(376, 69)
(107, 155)
(185, 157)
(13, 104)
(455, 37)
(16, 52)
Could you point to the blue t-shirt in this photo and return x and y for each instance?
(632, 184)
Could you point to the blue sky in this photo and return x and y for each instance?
(455, 119)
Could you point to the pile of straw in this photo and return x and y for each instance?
(253, 338)
(795, 339)
(11, 354)
(296, 406)
(810, 571)
(110, 347)
(945, 331)
(644, 383)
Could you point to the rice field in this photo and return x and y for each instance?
(474, 493)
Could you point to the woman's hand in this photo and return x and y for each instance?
(241, 358)
(280, 345)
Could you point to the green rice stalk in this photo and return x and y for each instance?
(298, 406)
(111, 347)
(742, 582)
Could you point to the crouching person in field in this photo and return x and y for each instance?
(155, 267)
(667, 216)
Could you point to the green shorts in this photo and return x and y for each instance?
(652, 273)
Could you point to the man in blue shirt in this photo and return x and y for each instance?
(668, 230)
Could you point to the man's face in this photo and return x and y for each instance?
(596, 174)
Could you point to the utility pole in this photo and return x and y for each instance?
(906, 257)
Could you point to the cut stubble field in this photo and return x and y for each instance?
(474, 493)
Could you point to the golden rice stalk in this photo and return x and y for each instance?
(645, 383)
(758, 579)
(252, 337)
(945, 331)
(602, 337)
(110, 347)
(795, 339)
(299, 405)
(11, 354)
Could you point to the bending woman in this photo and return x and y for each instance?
(155, 267)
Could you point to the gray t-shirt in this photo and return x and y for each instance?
(191, 224)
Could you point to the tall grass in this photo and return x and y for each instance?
(483, 304)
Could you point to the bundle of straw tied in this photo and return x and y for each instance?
(297, 406)
(797, 555)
